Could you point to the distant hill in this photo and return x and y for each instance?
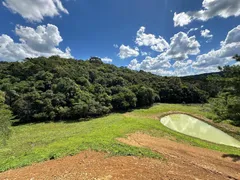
(200, 76)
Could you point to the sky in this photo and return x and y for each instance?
(164, 37)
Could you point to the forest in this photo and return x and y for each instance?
(54, 89)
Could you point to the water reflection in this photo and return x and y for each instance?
(193, 127)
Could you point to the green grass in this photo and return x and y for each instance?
(38, 142)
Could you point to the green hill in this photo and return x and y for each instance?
(43, 89)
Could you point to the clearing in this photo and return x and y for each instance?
(182, 162)
(133, 145)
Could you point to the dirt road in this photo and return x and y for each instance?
(183, 162)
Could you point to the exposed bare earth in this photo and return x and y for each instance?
(188, 162)
(182, 162)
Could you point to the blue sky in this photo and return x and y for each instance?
(165, 37)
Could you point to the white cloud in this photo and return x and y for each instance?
(219, 57)
(144, 53)
(127, 52)
(134, 65)
(106, 60)
(233, 36)
(210, 9)
(115, 45)
(206, 33)
(182, 64)
(222, 56)
(157, 44)
(181, 19)
(42, 41)
(237, 64)
(35, 10)
(151, 63)
(162, 67)
(162, 72)
(181, 46)
(191, 30)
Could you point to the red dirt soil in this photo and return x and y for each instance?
(183, 162)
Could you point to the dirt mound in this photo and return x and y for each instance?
(182, 162)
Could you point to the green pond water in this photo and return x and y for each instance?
(193, 127)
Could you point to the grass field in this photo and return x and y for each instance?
(38, 142)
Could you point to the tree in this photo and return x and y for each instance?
(123, 100)
(236, 57)
(145, 96)
(5, 117)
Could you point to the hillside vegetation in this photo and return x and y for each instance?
(45, 89)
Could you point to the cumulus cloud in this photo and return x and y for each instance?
(162, 72)
(151, 63)
(157, 44)
(42, 41)
(181, 19)
(233, 36)
(162, 67)
(127, 52)
(229, 47)
(106, 60)
(210, 9)
(134, 65)
(206, 33)
(216, 58)
(182, 64)
(181, 46)
(35, 10)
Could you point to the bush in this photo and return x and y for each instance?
(226, 107)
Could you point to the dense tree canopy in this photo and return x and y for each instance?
(43, 89)
(227, 103)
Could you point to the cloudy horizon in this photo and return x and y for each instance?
(167, 38)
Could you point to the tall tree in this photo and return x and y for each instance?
(5, 117)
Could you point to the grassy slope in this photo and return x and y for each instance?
(39, 142)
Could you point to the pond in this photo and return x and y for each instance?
(193, 127)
